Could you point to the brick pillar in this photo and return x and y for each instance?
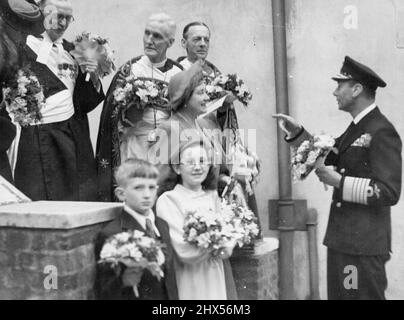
(50, 243)
(255, 271)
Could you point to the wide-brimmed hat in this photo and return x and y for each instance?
(183, 84)
(23, 16)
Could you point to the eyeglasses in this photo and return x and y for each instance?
(192, 163)
(61, 17)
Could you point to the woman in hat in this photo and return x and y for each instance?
(17, 19)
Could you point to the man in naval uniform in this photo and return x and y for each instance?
(54, 159)
(366, 176)
(118, 141)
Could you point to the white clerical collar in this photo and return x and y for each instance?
(364, 113)
(158, 64)
(142, 218)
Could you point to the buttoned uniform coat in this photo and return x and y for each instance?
(109, 286)
(360, 219)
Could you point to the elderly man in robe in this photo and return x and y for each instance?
(130, 133)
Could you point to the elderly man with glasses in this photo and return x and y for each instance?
(54, 159)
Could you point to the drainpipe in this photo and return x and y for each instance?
(285, 203)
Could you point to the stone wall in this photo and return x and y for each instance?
(56, 262)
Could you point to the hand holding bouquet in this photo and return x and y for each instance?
(91, 49)
(310, 155)
(136, 252)
(223, 84)
(208, 231)
(24, 98)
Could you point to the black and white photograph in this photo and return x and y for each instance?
(202, 150)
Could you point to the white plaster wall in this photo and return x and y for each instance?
(242, 42)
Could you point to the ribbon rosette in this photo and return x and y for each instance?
(89, 46)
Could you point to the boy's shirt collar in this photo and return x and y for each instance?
(141, 219)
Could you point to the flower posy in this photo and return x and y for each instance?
(141, 92)
(307, 156)
(243, 221)
(24, 98)
(134, 250)
(90, 46)
(217, 88)
(207, 230)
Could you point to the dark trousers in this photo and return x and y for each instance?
(353, 277)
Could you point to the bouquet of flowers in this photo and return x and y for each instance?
(140, 93)
(24, 98)
(245, 165)
(90, 46)
(134, 250)
(243, 221)
(310, 155)
(217, 88)
(208, 230)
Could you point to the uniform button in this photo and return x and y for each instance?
(339, 205)
(342, 171)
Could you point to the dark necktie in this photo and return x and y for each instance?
(150, 229)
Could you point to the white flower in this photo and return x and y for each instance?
(146, 242)
(21, 102)
(312, 157)
(142, 94)
(108, 251)
(192, 233)
(134, 252)
(242, 90)
(40, 96)
(22, 90)
(137, 234)
(153, 92)
(119, 94)
(122, 237)
(323, 142)
(223, 79)
(23, 79)
(203, 240)
(160, 257)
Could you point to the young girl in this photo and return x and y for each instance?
(200, 276)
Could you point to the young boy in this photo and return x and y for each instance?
(137, 188)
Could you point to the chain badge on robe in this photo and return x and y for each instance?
(67, 70)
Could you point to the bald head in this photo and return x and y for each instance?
(165, 23)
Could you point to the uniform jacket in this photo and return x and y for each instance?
(369, 159)
(109, 286)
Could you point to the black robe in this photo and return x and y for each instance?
(56, 161)
(108, 142)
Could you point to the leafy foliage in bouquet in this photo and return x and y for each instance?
(244, 222)
(90, 46)
(24, 98)
(309, 155)
(207, 230)
(222, 84)
(134, 250)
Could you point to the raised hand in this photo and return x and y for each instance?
(288, 124)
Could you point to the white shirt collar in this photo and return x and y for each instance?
(364, 113)
(142, 218)
(158, 64)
